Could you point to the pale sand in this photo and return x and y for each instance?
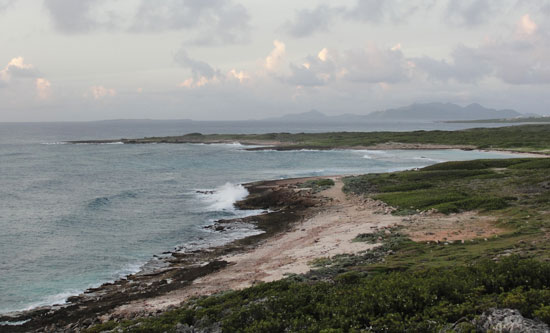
(328, 232)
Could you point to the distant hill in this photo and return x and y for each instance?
(304, 116)
(538, 119)
(414, 112)
(443, 111)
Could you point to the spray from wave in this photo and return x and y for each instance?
(224, 197)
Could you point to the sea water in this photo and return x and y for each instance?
(75, 216)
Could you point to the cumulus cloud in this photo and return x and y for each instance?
(375, 65)
(221, 21)
(369, 65)
(315, 70)
(20, 80)
(526, 25)
(275, 58)
(203, 73)
(522, 58)
(198, 68)
(17, 68)
(43, 88)
(100, 92)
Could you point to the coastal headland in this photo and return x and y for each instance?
(521, 138)
(453, 245)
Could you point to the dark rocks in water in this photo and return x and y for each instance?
(205, 192)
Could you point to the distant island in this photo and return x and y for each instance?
(413, 112)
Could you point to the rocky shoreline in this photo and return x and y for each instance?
(283, 206)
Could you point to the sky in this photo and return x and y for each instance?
(69, 60)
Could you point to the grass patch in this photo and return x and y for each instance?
(452, 187)
(318, 185)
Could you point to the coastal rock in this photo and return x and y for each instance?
(508, 321)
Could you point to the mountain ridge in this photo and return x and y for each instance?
(413, 112)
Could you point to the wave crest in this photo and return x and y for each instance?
(224, 197)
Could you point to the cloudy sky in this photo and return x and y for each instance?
(242, 59)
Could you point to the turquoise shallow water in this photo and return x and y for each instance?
(74, 216)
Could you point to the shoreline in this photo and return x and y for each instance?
(302, 227)
(176, 270)
(280, 146)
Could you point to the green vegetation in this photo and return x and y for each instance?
(318, 185)
(457, 186)
(504, 121)
(404, 285)
(422, 301)
(521, 138)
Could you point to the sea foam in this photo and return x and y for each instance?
(224, 197)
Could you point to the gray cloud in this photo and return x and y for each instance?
(197, 67)
(71, 16)
(516, 61)
(370, 10)
(470, 12)
(226, 21)
(209, 21)
(309, 21)
(374, 65)
(463, 13)
(467, 65)
(5, 4)
(303, 76)
(319, 19)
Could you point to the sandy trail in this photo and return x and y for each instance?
(328, 232)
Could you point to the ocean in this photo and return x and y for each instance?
(76, 216)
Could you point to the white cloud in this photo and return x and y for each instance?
(43, 88)
(100, 92)
(323, 54)
(17, 68)
(241, 76)
(526, 25)
(275, 58)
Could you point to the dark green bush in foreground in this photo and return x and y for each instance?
(423, 301)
